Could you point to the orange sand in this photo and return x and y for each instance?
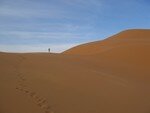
(109, 76)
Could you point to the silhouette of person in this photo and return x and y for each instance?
(49, 50)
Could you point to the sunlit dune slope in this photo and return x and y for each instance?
(130, 47)
(136, 37)
(126, 52)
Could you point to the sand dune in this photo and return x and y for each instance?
(109, 76)
(124, 38)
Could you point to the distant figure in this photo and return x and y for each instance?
(49, 50)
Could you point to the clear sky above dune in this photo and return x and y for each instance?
(35, 25)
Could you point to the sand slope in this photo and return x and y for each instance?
(110, 76)
(124, 38)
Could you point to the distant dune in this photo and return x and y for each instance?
(108, 76)
(124, 38)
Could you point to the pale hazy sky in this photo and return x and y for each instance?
(35, 25)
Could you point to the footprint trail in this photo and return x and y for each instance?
(25, 89)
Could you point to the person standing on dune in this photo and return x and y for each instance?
(49, 50)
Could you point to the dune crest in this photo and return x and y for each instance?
(125, 38)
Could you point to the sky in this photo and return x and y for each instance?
(36, 25)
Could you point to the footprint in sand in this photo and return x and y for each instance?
(41, 102)
(17, 88)
(22, 78)
(33, 94)
(26, 91)
(22, 85)
(20, 89)
(47, 112)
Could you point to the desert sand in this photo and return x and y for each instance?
(108, 76)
